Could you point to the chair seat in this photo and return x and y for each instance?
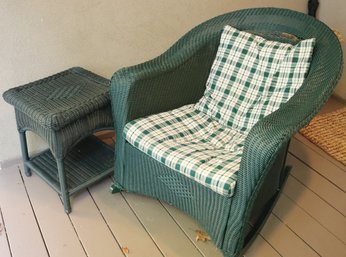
(58, 100)
(190, 142)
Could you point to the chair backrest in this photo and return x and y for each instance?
(285, 26)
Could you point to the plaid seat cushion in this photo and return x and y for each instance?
(190, 142)
(251, 77)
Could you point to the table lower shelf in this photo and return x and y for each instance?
(88, 162)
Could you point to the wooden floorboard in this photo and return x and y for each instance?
(308, 229)
(317, 161)
(4, 244)
(123, 222)
(171, 240)
(190, 226)
(284, 240)
(318, 184)
(24, 235)
(60, 236)
(91, 228)
(316, 207)
(312, 154)
(260, 247)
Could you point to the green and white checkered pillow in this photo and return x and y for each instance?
(190, 142)
(251, 77)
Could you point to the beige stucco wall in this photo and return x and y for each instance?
(333, 12)
(39, 38)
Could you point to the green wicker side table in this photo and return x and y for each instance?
(65, 110)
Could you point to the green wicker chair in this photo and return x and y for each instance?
(177, 78)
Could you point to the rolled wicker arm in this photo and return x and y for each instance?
(270, 134)
(173, 79)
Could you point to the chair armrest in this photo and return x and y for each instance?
(268, 136)
(173, 79)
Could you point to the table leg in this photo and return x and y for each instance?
(63, 186)
(25, 154)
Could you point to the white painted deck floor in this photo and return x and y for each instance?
(308, 220)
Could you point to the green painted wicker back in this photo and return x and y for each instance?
(272, 23)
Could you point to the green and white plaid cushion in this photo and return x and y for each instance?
(251, 77)
(190, 142)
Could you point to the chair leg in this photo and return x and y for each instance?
(25, 154)
(115, 188)
(63, 186)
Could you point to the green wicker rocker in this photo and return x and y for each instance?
(177, 78)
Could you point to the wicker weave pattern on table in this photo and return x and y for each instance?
(60, 99)
(69, 105)
(89, 161)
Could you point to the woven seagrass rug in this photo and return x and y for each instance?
(328, 132)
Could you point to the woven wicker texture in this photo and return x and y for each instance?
(178, 77)
(63, 108)
(60, 99)
(329, 133)
(88, 162)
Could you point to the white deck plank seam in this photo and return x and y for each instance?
(331, 232)
(105, 220)
(176, 222)
(307, 164)
(140, 221)
(293, 176)
(5, 232)
(33, 210)
(284, 224)
(301, 207)
(319, 151)
(74, 229)
(259, 234)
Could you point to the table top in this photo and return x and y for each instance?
(62, 98)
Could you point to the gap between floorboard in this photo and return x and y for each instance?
(90, 226)
(316, 207)
(122, 221)
(25, 238)
(159, 224)
(332, 194)
(189, 226)
(322, 166)
(5, 249)
(308, 229)
(60, 236)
